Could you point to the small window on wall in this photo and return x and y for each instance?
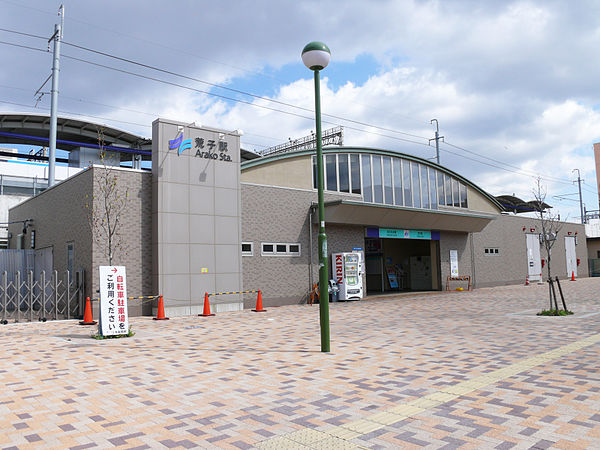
(280, 249)
(355, 173)
(491, 251)
(70, 257)
(343, 173)
(463, 195)
(331, 173)
(247, 249)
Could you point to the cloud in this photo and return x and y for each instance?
(514, 81)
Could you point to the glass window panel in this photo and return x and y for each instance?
(440, 188)
(377, 181)
(314, 162)
(366, 176)
(387, 180)
(343, 171)
(455, 195)
(281, 248)
(416, 185)
(398, 181)
(448, 190)
(355, 173)
(331, 173)
(463, 196)
(425, 188)
(406, 184)
(432, 189)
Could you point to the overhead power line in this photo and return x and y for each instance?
(503, 166)
(237, 100)
(219, 86)
(238, 91)
(24, 46)
(24, 34)
(549, 178)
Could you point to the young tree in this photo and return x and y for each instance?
(551, 226)
(107, 206)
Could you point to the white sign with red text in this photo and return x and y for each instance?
(113, 301)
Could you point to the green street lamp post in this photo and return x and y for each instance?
(316, 56)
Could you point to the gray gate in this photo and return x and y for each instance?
(28, 298)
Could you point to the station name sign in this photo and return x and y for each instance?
(395, 233)
(203, 148)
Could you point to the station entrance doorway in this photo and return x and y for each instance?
(395, 265)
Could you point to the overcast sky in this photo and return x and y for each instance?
(514, 84)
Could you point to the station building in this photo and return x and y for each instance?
(211, 217)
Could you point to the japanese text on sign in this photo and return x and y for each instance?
(113, 301)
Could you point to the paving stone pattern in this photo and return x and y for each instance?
(441, 370)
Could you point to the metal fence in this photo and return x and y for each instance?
(24, 297)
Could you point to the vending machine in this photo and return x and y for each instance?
(346, 268)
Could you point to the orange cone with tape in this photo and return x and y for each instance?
(527, 281)
(206, 311)
(259, 306)
(573, 275)
(88, 319)
(160, 313)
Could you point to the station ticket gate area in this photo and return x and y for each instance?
(394, 265)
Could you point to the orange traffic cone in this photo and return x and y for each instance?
(206, 312)
(573, 275)
(527, 280)
(259, 306)
(88, 319)
(160, 313)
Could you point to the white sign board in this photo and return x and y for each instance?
(453, 263)
(113, 301)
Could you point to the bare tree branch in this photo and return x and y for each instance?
(106, 207)
(551, 226)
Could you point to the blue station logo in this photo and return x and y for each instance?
(205, 148)
(179, 144)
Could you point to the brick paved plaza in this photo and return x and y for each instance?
(441, 370)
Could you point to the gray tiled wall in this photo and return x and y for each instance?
(60, 216)
(272, 214)
(196, 219)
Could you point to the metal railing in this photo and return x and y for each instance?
(24, 298)
(20, 185)
(332, 136)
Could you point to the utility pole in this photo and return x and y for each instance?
(580, 200)
(437, 140)
(56, 37)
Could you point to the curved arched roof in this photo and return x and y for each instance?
(347, 149)
(18, 128)
(72, 133)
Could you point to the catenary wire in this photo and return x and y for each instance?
(24, 34)
(235, 99)
(503, 163)
(147, 126)
(518, 171)
(238, 91)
